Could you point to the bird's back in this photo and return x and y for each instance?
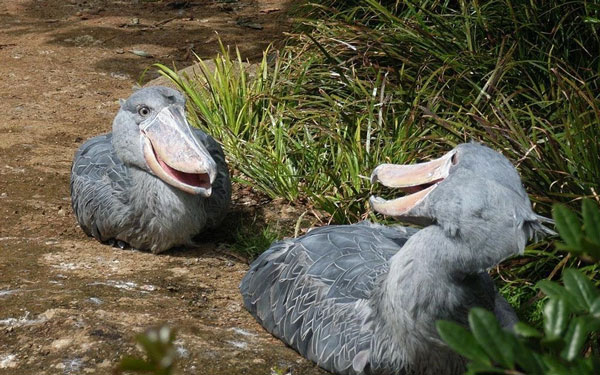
(313, 292)
(99, 188)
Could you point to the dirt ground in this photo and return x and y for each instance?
(68, 304)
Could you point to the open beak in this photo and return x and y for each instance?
(175, 155)
(416, 179)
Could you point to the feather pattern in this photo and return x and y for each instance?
(364, 298)
(319, 294)
(125, 201)
(313, 292)
(100, 186)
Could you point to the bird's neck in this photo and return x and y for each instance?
(417, 284)
(424, 285)
(154, 195)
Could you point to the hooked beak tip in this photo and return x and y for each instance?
(374, 178)
(373, 200)
(206, 193)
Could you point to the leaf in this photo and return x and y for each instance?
(568, 225)
(491, 337)
(591, 20)
(580, 287)
(595, 308)
(525, 330)
(135, 364)
(590, 248)
(461, 341)
(591, 220)
(150, 346)
(592, 325)
(555, 318)
(525, 357)
(555, 290)
(574, 339)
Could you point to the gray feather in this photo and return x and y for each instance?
(364, 298)
(115, 195)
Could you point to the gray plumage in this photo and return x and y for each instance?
(364, 298)
(116, 194)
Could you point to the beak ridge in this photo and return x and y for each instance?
(174, 153)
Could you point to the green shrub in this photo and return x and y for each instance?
(568, 343)
(365, 82)
(369, 82)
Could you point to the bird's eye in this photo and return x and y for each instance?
(454, 159)
(143, 111)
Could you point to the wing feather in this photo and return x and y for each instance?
(99, 185)
(313, 292)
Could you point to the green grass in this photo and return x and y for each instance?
(364, 82)
(252, 240)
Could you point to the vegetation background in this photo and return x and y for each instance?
(361, 83)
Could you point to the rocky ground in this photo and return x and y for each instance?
(68, 304)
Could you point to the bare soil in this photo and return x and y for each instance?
(68, 304)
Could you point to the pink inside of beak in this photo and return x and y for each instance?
(193, 179)
(417, 188)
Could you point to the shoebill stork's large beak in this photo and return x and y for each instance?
(175, 155)
(416, 179)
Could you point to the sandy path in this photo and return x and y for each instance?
(69, 305)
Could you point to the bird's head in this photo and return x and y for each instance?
(473, 193)
(151, 132)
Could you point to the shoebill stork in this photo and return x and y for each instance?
(364, 298)
(155, 182)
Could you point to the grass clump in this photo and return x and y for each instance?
(368, 82)
(251, 240)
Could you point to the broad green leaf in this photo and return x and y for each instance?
(556, 317)
(491, 337)
(593, 325)
(555, 366)
(587, 366)
(525, 330)
(524, 356)
(580, 287)
(557, 291)
(595, 308)
(577, 250)
(591, 220)
(553, 289)
(568, 225)
(461, 341)
(574, 339)
(590, 248)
